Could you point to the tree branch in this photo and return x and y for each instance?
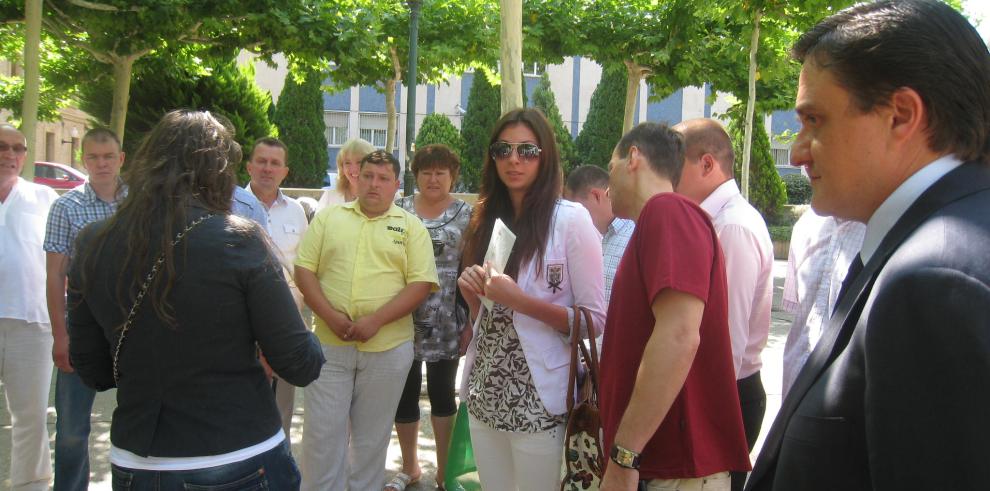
(103, 7)
(59, 29)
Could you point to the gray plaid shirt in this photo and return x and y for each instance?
(73, 211)
(613, 247)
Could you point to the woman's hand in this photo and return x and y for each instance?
(471, 282)
(466, 334)
(501, 288)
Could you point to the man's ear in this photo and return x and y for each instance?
(908, 115)
(598, 194)
(708, 164)
(635, 159)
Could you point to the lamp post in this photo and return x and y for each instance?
(411, 95)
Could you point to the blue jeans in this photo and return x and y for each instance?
(274, 469)
(73, 409)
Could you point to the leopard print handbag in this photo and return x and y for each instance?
(584, 460)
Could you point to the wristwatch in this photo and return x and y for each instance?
(625, 457)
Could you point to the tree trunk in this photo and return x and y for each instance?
(750, 105)
(121, 93)
(32, 66)
(511, 71)
(392, 133)
(635, 73)
(390, 115)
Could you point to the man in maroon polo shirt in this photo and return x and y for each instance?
(670, 408)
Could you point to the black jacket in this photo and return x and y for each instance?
(197, 388)
(895, 394)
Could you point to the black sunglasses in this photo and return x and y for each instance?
(18, 149)
(525, 151)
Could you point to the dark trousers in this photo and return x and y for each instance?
(274, 469)
(753, 402)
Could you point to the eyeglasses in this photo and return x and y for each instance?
(18, 149)
(526, 151)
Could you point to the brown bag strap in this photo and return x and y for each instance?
(590, 358)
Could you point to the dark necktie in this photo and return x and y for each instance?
(854, 269)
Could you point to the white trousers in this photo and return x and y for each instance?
(515, 461)
(349, 414)
(720, 481)
(285, 399)
(26, 373)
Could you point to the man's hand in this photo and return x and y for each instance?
(340, 324)
(60, 353)
(619, 479)
(364, 329)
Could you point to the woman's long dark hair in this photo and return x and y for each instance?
(187, 158)
(531, 224)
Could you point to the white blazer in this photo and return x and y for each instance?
(571, 274)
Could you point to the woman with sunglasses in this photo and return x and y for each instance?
(515, 378)
(169, 301)
(440, 320)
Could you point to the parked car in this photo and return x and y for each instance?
(58, 176)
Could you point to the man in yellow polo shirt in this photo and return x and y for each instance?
(362, 267)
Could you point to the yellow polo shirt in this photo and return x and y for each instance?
(362, 263)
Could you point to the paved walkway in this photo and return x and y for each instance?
(103, 410)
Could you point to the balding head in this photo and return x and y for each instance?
(703, 136)
(12, 152)
(708, 158)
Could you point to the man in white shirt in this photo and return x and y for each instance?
(25, 332)
(287, 222)
(820, 253)
(894, 104)
(707, 179)
(588, 185)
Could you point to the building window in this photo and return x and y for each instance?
(336, 122)
(374, 128)
(781, 156)
(49, 146)
(533, 68)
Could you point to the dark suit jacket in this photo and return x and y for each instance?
(896, 395)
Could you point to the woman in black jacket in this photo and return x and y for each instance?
(170, 301)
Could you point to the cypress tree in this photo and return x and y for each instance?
(159, 87)
(483, 111)
(544, 99)
(299, 117)
(603, 128)
(767, 192)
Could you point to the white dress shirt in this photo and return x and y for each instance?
(820, 253)
(286, 225)
(748, 253)
(22, 260)
(900, 200)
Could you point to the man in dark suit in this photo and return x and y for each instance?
(894, 102)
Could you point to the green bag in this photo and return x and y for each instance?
(460, 458)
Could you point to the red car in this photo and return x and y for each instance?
(58, 176)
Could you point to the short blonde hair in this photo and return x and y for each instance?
(355, 147)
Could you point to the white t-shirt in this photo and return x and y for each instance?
(23, 216)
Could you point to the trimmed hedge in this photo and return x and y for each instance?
(798, 189)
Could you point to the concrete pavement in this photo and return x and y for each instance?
(105, 402)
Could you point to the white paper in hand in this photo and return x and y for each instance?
(498, 252)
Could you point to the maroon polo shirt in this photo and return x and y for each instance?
(675, 246)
